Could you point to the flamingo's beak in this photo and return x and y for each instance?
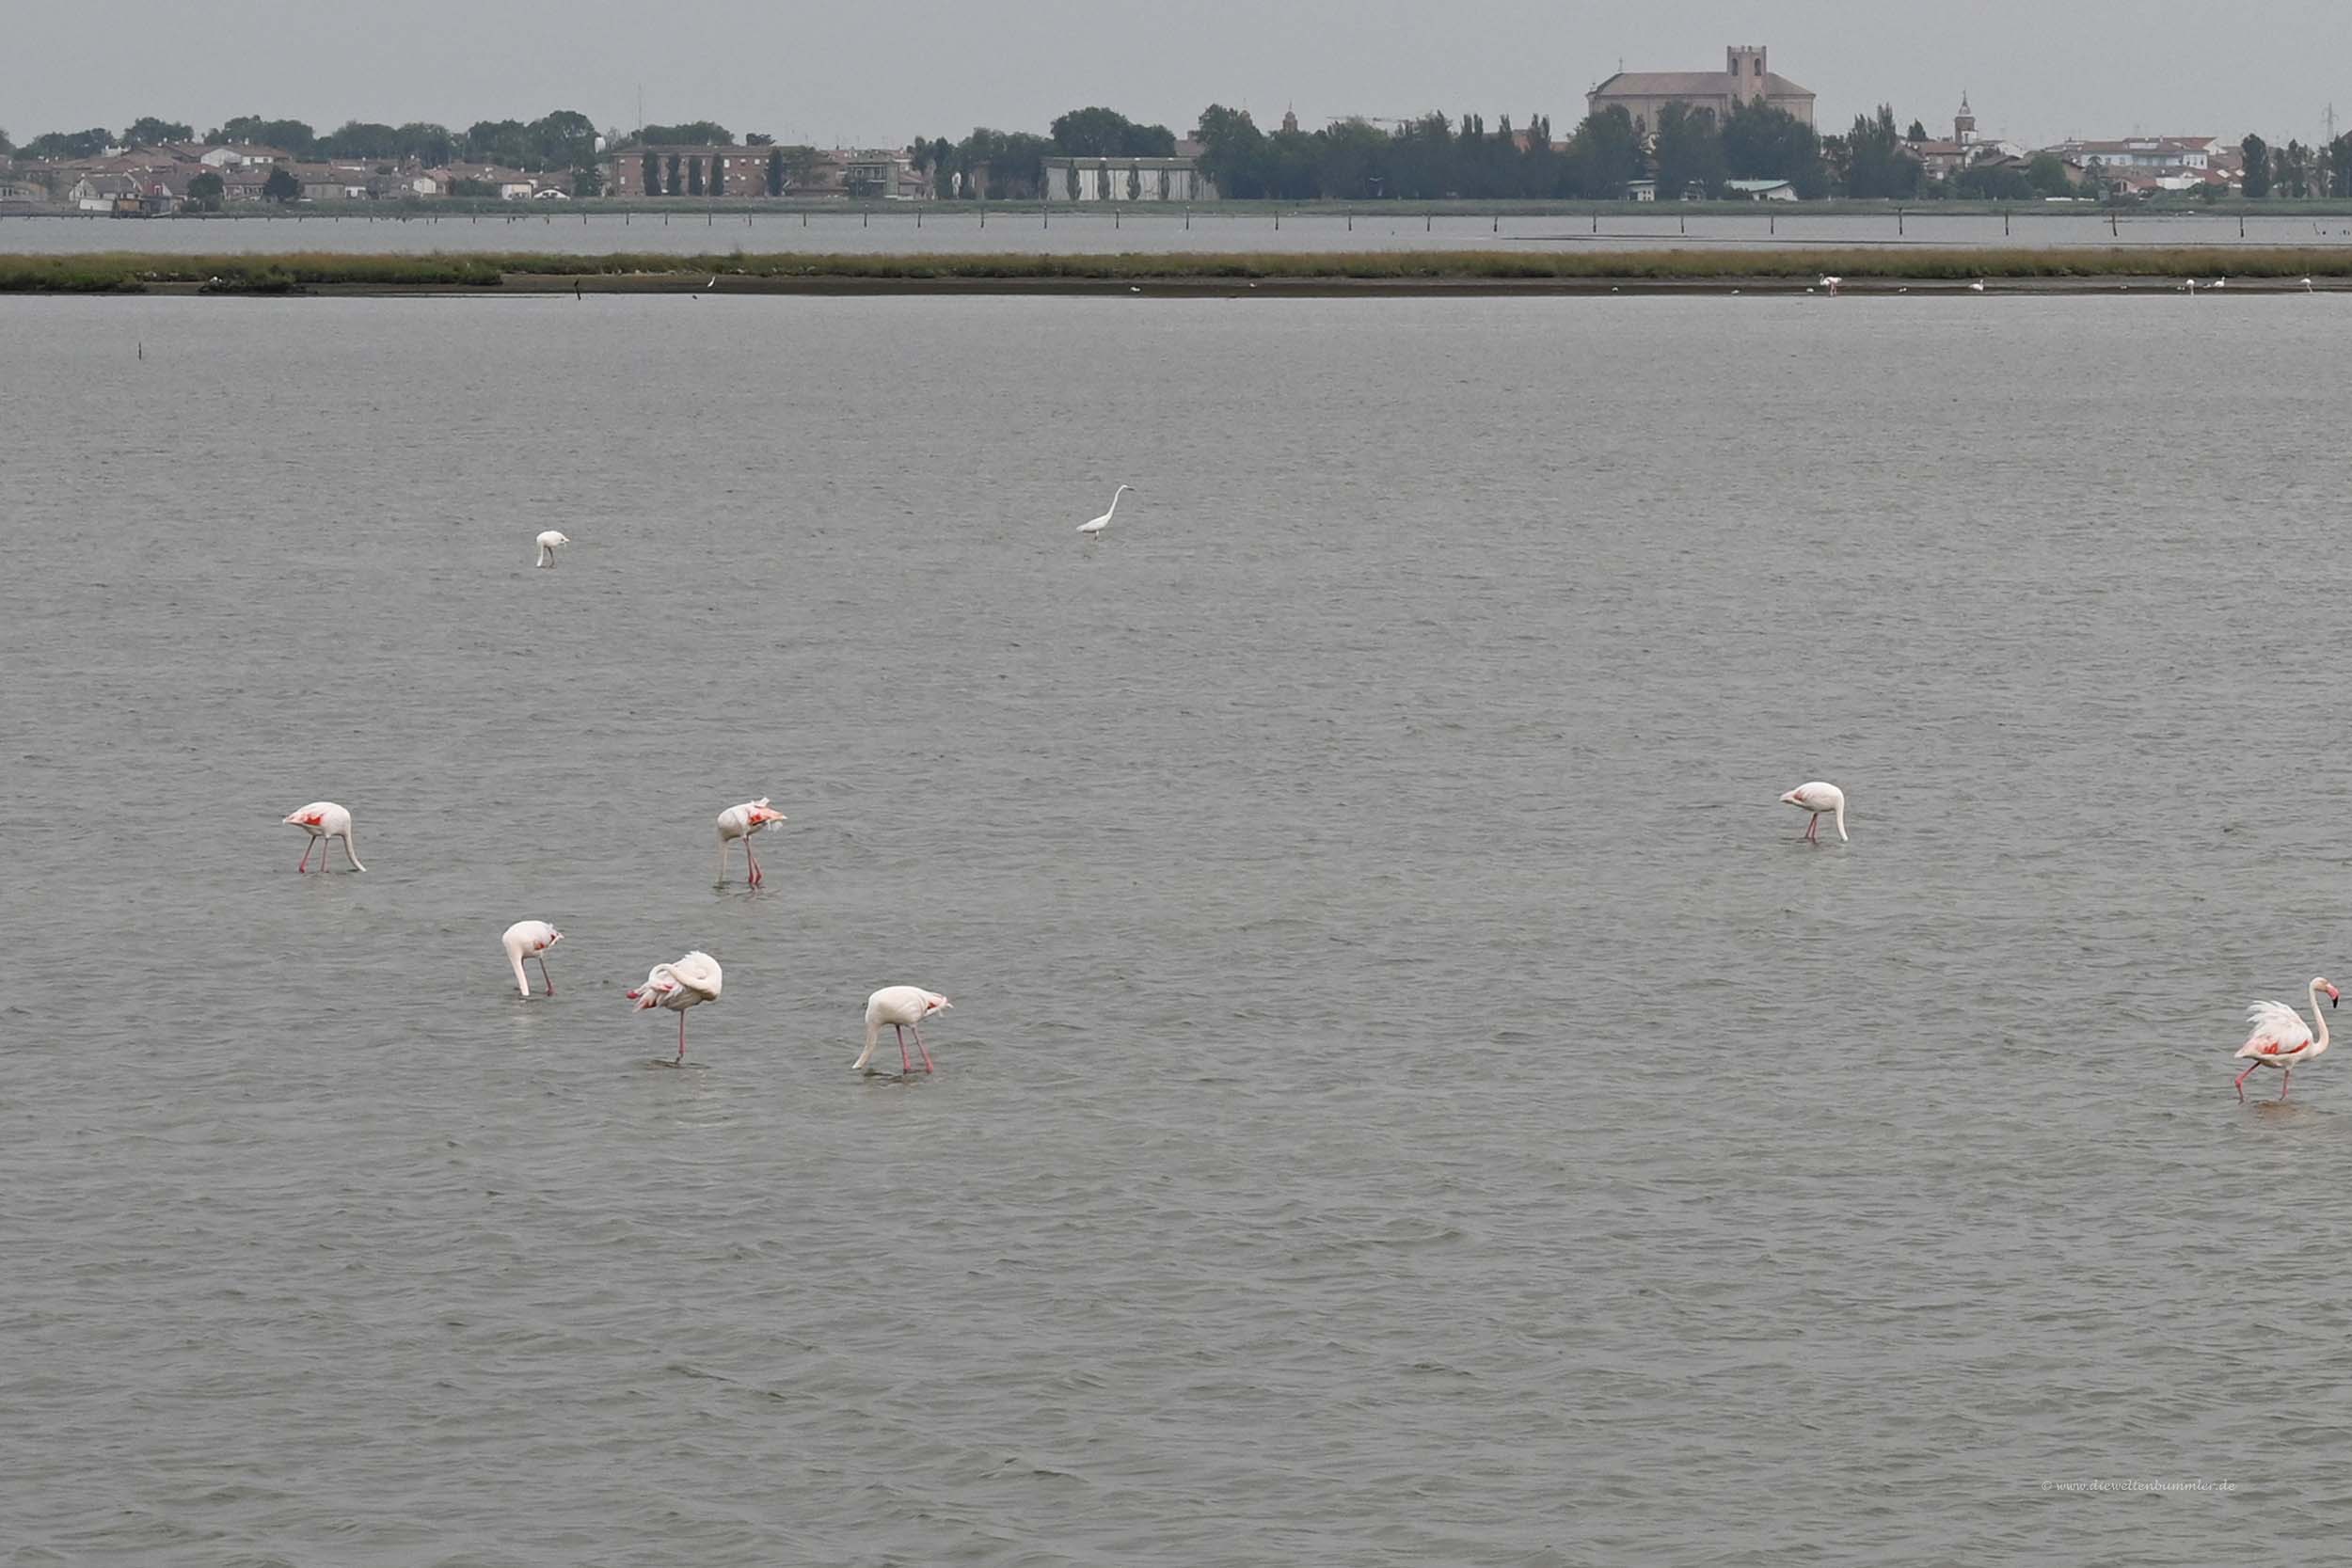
(2334, 996)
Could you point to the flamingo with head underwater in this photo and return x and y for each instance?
(2282, 1040)
(530, 939)
(1820, 800)
(323, 820)
(904, 1008)
(548, 543)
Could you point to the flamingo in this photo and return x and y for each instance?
(1098, 524)
(1831, 283)
(904, 1008)
(548, 542)
(1818, 798)
(530, 939)
(742, 822)
(323, 820)
(2282, 1040)
(690, 981)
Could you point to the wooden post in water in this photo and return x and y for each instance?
(2241, 226)
(1114, 218)
(1898, 222)
(2112, 230)
(1278, 220)
(2005, 223)
(866, 219)
(1498, 229)
(1351, 220)
(1772, 224)
(1682, 223)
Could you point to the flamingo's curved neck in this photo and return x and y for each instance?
(2319, 1020)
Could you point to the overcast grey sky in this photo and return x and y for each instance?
(871, 73)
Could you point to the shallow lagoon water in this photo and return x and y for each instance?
(1410, 1098)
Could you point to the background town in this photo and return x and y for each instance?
(1743, 132)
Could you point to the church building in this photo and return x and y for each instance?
(1745, 79)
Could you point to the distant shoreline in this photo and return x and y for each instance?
(1862, 271)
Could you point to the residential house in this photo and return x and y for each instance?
(242, 156)
(727, 171)
(1761, 190)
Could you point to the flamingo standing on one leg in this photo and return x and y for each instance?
(690, 981)
(742, 822)
(2282, 1040)
(904, 1008)
(1818, 798)
(530, 939)
(323, 820)
(547, 543)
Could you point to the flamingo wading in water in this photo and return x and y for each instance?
(529, 939)
(323, 820)
(1096, 526)
(742, 822)
(1820, 799)
(690, 982)
(2282, 1040)
(548, 543)
(904, 1008)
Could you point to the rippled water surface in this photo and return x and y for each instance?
(1411, 1097)
(901, 229)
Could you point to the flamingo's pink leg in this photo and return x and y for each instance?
(918, 1045)
(752, 859)
(2240, 1084)
(905, 1067)
(2288, 1076)
(305, 857)
(550, 979)
(681, 1034)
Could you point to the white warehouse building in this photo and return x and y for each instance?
(1126, 179)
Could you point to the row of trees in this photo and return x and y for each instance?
(2297, 170)
(564, 139)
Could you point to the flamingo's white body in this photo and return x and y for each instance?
(1820, 800)
(903, 1008)
(1831, 283)
(742, 822)
(547, 543)
(323, 820)
(690, 982)
(527, 938)
(1097, 525)
(2282, 1040)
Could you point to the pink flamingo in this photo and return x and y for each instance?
(2282, 1040)
(690, 981)
(742, 822)
(904, 1008)
(323, 820)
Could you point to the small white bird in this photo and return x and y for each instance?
(1818, 798)
(1831, 283)
(2220, 283)
(323, 820)
(530, 939)
(742, 822)
(1978, 287)
(2307, 286)
(2282, 1040)
(1098, 524)
(712, 284)
(690, 982)
(904, 1008)
(548, 544)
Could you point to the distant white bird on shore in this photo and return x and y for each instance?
(1831, 283)
(742, 822)
(323, 820)
(688, 983)
(2282, 1040)
(548, 543)
(1978, 287)
(2307, 286)
(2220, 283)
(1098, 524)
(1820, 799)
(530, 939)
(904, 1008)
(712, 284)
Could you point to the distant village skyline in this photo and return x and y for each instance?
(821, 75)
